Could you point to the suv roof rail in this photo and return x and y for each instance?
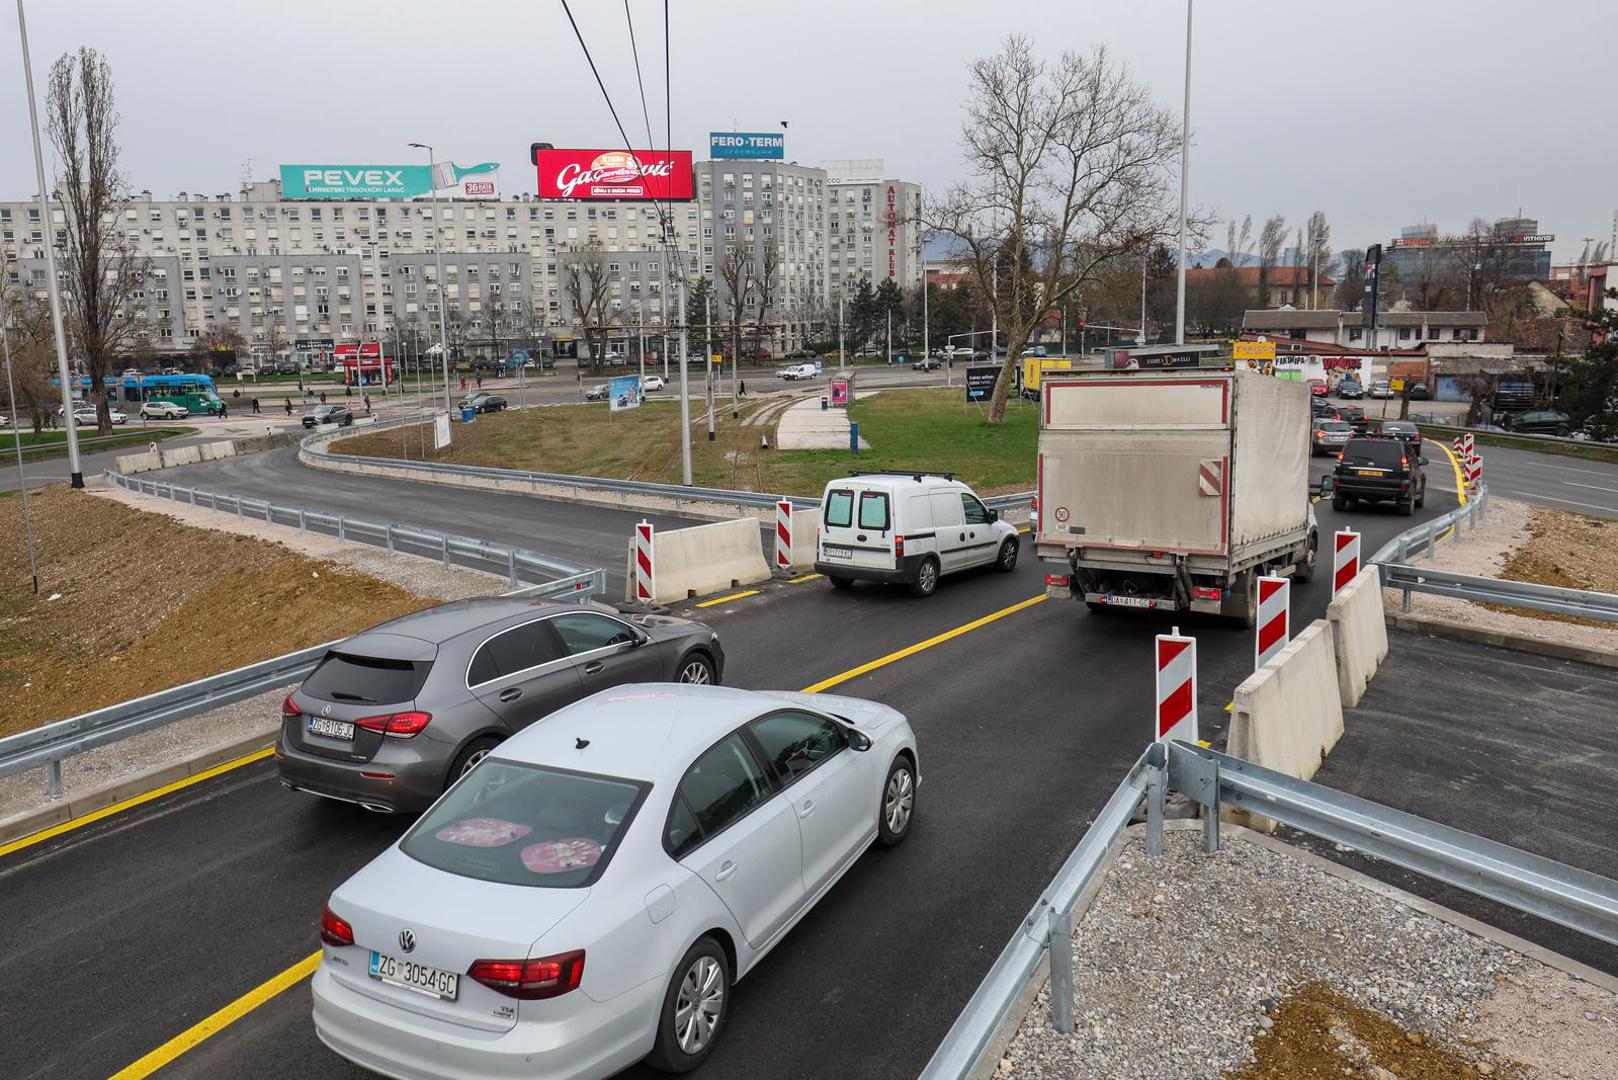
(914, 475)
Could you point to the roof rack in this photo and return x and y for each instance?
(917, 476)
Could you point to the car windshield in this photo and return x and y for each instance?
(366, 679)
(526, 825)
(1383, 453)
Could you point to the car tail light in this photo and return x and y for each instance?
(399, 725)
(1404, 462)
(531, 980)
(335, 931)
(288, 708)
(1340, 454)
(1059, 580)
(898, 546)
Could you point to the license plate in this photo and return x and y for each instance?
(839, 552)
(1369, 472)
(1128, 601)
(331, 729)
(412, 976)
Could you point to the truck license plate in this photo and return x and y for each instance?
(1114, 600)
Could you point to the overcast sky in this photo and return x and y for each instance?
(1379, 113)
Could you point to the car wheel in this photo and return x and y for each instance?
(898, 803)
(472, 753)
(1305, 570)
(1007, 562)
(1338, 502)
(694, 1009)
(1421, 499)
(1408, 508)
(696, 669)
(926, 578)
(840, 582)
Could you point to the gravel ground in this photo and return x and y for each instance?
(1180, 964)
(1484, 552)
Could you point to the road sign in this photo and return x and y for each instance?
(1396, 385)
(1345, 563)
(1176, 688)
(1252, 350)
(1274, 618)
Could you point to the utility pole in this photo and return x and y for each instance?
(75, 470)
(1185, 181)
(1145, 256)
(685, 400)
(926, 340)
(438, 249)
(842, 344)
(890, 336)
(708, 332)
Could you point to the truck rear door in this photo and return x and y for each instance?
(1136, 463)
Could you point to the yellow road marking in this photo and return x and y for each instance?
(295, 974)
(1230, 706)
(806, 577)
(728, 599)
(220, 1020)
(911, 650)
(1460, 482)
(119, 807)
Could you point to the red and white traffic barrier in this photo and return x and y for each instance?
(645, 564)
(783, 535)
(1345, 561)
(1176, 687)
(1274, 618)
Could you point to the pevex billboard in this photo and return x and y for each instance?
(390, 181)
(614, 174)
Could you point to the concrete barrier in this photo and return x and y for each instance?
(805, 527)
(1360, 634)
(1287, 715)
(147, 460)
(703, 559)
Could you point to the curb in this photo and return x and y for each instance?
(63, 811)
(1434, 626)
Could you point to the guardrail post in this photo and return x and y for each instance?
(342, 531)
(1432, 541)
(389, 532)
(239, 511)
(444, 540)
(53, 779)
(1154, 811)
(1061, 958)
(302, 526)
(1405, 607)
(511, 565)
(213, 501)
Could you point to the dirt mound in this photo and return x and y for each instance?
(1571, 551)
(143, 603)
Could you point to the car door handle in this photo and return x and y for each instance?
(511, 693)
(963, 536)
(726, 869)
(594, 667)
(807, 809)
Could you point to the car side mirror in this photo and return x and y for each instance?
(1422, 461)
(1328, 485)
(858, 740)
(994, 515)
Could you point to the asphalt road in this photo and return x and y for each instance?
(1564, 483)
(146, 922)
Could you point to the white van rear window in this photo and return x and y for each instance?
(874, 510)
(840, 509)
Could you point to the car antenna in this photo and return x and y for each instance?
(580, 744)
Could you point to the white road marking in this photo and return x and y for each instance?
(1592, 487)
(1530, 496)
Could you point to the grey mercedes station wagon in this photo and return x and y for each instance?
(394, 715)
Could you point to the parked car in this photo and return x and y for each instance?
(926, 363)
(1403, 430)
(1380, 389)
(163, 410)
(589, 894)
(797, 371)
(869, 350)
(598, 392)
(1350, 389)
(653, 382)
(1329, 436)
(1539, 422)
(1417, 391)
(1318, 387)
(1378, 469)
(910, 529)
(482, 402)
(341, 415)
(801, 354)
(464, 677)
(84, 415)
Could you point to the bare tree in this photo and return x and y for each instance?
(1239, 243)
(1070, 165)
(33, 354)
(766, 284)
(1271, 238)
(587, 284)
(106, 275)
(1319, 241)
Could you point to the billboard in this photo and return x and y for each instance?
(980, 382)
(614, 174)
(624, 392)
(738, 144)
(1252, 350)
(449, 180)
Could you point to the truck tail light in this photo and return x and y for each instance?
(1061, 581)
(399, 725)
(898, 546)
(531, 980)
(1202, 592)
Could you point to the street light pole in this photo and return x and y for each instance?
(438, 250)
(1185, 181)
(75, 470)
(842, 345)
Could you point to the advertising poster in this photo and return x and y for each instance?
(980, 382)
(839, 393)
(441, 433)
(451, 181)
(614, 174)
(624, 392)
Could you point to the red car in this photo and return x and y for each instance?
(1317, 387)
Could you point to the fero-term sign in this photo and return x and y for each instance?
(742, 144)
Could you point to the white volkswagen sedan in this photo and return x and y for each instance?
(586, 897)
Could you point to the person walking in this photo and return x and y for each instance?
(463, 384)
(289, 406)
(348, 390)
(323, 397)
(256, 409)
(480, 382)
(224, 409)
(741, 388)
(367, 400)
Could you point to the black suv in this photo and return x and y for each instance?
(1379, 469)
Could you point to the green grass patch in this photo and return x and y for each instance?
(907, 429)
(51, 444)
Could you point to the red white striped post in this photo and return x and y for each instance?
(1274, 618)
(1176, 687)
(1345, 562)
(783, 535)
(645, 567)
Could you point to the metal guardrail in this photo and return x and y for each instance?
(313, 448)
(1542, 887)
(1393, 559)
(1507, 433)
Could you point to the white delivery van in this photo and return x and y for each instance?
(908, 528)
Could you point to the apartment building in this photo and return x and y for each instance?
(873, 227)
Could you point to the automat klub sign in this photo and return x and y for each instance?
(614, 174)
(893, 231)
